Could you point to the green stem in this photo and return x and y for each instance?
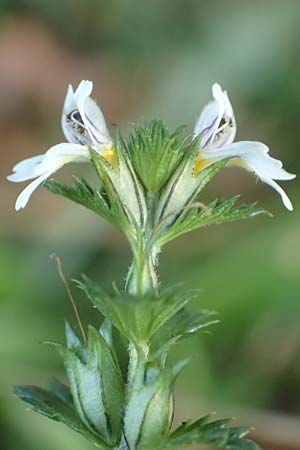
(142, 276)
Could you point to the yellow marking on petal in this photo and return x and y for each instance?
(109, 153)
(200, 164)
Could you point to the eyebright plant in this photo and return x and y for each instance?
(150, 189)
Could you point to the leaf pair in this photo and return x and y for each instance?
(140, 318)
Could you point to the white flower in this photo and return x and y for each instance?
(84, 126)
(217, 128)
(82, 120)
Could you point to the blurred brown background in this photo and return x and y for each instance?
(155, 59)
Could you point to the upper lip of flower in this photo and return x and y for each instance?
(217, 129)
(216, 123)
(82, 120)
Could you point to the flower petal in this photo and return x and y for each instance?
(70, 131)
(253, 156)
(216, 123)
(91, 114)
(61, 154)
(24, 170)
(25, 195)
(71, 121)
(42, 166)
(285, 200)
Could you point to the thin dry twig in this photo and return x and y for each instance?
(64, 280)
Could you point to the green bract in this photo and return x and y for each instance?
(150, 190)
(155, 153)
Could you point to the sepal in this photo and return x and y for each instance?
(121, 184)
(184, 186)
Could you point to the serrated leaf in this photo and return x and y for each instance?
(97, 386)
(218, 433)
(182, 325)
(198, 216)
(137, 318)
(83, 194)
(52, 405)
(48, 404)
(241, 444)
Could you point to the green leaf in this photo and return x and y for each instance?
(83, 194)
(74, 343)
(61, 391)
(56, 404)
(97, 386)
(217, 433)
(51, 405)
(155, 153)
(197, 216)
(184, 324)
(149, 408)
(137, 318)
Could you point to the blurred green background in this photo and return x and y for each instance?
(155, 59)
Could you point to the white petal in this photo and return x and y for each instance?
(42, 166)
(53, 159)
(61, 154)
(70, 102)
(69, 106)
(72, 123)
(286, 201)
(208, 122)
(25, 195)
(25, 170)
(216, 122)
(91, 114)
(254, 157)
